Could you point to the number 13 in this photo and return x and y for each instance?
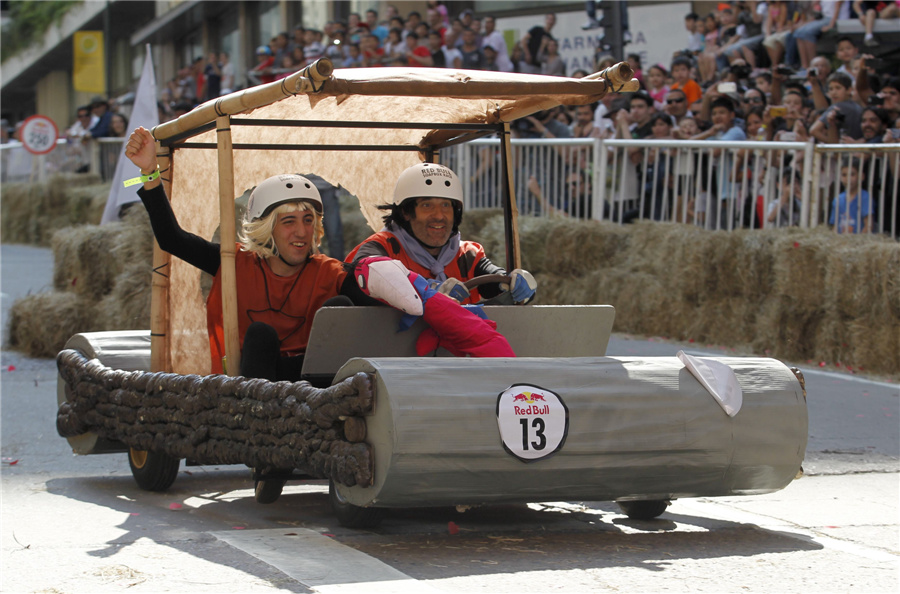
(538, 424)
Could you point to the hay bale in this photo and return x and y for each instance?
(127, 306)
(574, 248)
(40, 325)
(800, 261)
(31, 213)
(756, 270)
(474, 221)
(88, 259)
(82, 262)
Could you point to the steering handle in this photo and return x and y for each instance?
(486, 279)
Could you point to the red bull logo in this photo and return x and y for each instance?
(529, 397)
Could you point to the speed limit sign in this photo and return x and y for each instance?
(38, 134)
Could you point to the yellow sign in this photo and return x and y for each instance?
(89, 69)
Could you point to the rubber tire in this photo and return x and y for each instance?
(643, 509)
(268, 491)
(353, 516)
(153, 471)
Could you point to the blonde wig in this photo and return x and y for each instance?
(256, 236)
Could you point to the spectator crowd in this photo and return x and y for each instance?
(747, 71)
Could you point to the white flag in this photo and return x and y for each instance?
(144, 114)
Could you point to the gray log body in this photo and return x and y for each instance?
(639, 428)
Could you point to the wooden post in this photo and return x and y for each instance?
(227, 249)
(159, 282)
(511, 220)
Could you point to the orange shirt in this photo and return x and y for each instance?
(691, 90)
(287, 303)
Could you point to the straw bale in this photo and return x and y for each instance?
(127, 306)
(81, 259)
(491, 236)
(830, 344)
(764, 336)
(574, 247)
(40, 325)
(88, 258)
(801, 257)
(561, 290)
(31, 213)
(873, 346)
(861, 277)
(754, 254)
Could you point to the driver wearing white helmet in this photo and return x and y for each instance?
(421, 230)
(282, 280)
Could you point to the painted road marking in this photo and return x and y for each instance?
(321, 563)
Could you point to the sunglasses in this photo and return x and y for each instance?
(671, 101)
(753, 100)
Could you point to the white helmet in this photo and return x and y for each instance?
(428, 180)
(280, 189)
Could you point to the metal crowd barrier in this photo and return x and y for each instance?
(98, 155)
(716, 185)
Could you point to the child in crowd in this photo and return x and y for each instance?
(354, 56)
(686, 128)
(843, 117)
(852, 209)
(846, 52)
(681, 72)
(695, 37)
(763, 82)
(785, 211)
(711, 27)
(634, 60)
(656, 85)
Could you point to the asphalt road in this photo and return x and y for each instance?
(80, 524)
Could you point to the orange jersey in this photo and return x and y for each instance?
(287, 303)
(691, 90)
(462, 267)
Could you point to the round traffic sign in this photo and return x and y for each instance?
(38, 134)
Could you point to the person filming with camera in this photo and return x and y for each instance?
(843, 117)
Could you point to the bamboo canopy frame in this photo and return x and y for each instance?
(358, 128)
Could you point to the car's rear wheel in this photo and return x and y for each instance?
(268, 491)
(353, 516)
(643, 510)
(153, 471)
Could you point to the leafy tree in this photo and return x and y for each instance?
(28, 21)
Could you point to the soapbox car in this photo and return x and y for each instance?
(560, 421)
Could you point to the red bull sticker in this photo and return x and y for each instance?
(533, 422)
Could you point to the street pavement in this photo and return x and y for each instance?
(80, 524)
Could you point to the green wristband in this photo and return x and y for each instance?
(142, 179)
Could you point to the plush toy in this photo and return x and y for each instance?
(461, 330)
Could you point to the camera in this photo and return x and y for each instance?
(812, 72)
(784, 70)
(875, 101)
(839, 117)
